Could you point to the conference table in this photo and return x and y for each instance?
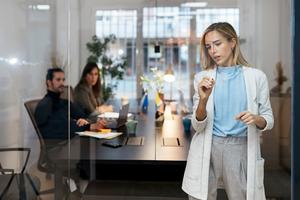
(153, 153)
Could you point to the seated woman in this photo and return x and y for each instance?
(87, 93)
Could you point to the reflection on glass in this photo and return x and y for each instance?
(37, 34)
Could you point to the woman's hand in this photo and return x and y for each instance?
(98, 125)
(81, 122)
(249, 118)
(205, 87)
(204, 90)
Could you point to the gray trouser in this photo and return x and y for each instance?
(228, 164)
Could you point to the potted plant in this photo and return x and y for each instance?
(112, 68)
(155, 81)
(280, 79)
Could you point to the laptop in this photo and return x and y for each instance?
(114, 123)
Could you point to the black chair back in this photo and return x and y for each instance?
(43, 162)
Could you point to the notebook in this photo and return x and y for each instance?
(100, 135)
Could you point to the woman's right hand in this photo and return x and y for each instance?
(205, 87)
(204, 90)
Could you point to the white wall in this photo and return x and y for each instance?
(26, 35)
(12, 44)
(266, 26)
(248, 32)
(285, 36)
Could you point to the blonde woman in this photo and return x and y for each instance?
(231, 109)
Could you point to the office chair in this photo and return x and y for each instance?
(17, 180)
(44, 164)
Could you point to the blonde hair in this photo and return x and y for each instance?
(227, 31)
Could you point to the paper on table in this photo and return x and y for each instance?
(100, 135)
(112, 115)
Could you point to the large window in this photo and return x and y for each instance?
(207, 16)
(165, 22)
(169, 27)
(123, 24)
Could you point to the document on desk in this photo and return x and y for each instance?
(113, 115)
(100, 135)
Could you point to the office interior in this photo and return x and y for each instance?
(162, 34)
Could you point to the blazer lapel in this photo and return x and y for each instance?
(250, 84)
(210, 103)
(252, 142)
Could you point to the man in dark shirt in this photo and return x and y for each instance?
(52, 116)
(52, 112)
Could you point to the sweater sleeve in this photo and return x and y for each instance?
(43, 112)
(77, 113)
(263, 100)
(54, 124)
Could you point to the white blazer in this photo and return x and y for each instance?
(195, 180)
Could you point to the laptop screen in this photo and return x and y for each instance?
(123, 113)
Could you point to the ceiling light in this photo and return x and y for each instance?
(120, 52)
(194, 4)
(13, 61)
(43, 7)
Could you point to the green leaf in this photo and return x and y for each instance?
(99, 49)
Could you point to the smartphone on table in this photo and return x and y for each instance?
(112, 144)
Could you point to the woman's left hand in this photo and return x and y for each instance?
(246, 117)
(249, 118)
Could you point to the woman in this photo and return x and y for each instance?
(88, 91)
(231, 109)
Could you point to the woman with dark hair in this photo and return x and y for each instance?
(88, 91)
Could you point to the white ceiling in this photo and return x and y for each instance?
(121, 4)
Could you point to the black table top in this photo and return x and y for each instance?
(158, 144)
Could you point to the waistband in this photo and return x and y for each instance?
(229, 140)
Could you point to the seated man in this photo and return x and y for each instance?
(52, 112)
(52, 116)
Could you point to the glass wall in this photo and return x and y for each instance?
(28, 41)
(40, 34)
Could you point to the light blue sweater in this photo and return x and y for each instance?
(230, 98)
